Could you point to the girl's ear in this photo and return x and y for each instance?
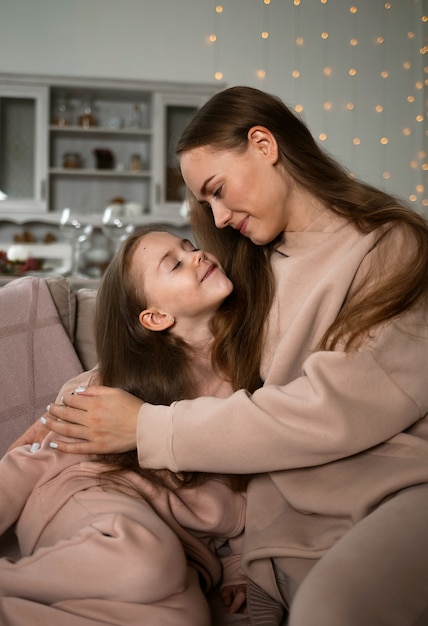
(260, 138)
(152, 319)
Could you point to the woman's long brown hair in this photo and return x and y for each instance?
(156, 366)
(223, 124)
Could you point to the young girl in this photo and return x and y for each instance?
(101, 539)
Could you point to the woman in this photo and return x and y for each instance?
(341, 421)
(100, 537)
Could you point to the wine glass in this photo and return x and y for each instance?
(76, 232)
(114, 225)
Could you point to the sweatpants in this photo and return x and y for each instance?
(375, 575)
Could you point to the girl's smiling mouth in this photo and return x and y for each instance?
(212, 268)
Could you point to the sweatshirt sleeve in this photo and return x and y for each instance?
(21, 471)
(341, 404)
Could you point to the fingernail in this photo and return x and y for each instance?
(35, 447)
(79, 389)
(48, 408)
(53, 444)
(44, 421)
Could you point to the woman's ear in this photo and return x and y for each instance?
(261, 138)
(152, 319)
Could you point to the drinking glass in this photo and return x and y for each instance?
(115, 226)
(75, 231)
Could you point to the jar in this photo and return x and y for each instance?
(135, 163)
(61, 114)
(72, 160)
(87, 117)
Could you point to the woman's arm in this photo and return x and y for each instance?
(342, 404)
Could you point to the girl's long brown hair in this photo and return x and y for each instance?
(156, 366)
(223, 124)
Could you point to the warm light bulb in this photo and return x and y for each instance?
(353, 42)
(352, 71)
(322, 136)
(295, 73)
(384, 74)
(350, 106)
(386, 175)
(379, 108)
(298, 108)
(327, 106)
(384, 141)
(299, 41)
(213, 38)
(218, 75)
(327, 71)
(380, 40)
(265, 34)
(219, 8)
(410, 98)
(353, 9)
(261, 74)
(407, 65)
(356, 141)
(407, 132)
(324, 35)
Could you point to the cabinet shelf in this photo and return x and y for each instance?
(84, 172)
(100, 130)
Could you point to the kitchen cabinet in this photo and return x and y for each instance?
(23, 148)
(91, 141)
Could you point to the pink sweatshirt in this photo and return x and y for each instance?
(338, 432)
(128, 554)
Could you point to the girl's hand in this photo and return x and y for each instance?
(34, 436)
(235, 598)
(103, 419)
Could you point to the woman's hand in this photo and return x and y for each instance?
(235, 598)
(104, 419)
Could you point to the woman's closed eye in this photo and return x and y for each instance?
(218, 192)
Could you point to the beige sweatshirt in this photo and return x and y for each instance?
(338, 432)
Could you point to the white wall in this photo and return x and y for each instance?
(169, 40)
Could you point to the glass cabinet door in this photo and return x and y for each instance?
(171, 112)
(23, 148)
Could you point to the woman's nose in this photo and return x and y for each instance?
(221, 215)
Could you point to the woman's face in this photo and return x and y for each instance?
(249, 191)
(179, 280)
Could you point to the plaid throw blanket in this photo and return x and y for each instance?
(36, 356)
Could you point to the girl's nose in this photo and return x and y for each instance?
(221, 214)
(198, 257)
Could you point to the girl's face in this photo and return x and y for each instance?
(249, 191)
(185, 283)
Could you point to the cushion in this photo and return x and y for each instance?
(36, 355)
(84, 340)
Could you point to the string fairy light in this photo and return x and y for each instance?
(382, 123)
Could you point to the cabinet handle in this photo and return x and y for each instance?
(158, 193)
